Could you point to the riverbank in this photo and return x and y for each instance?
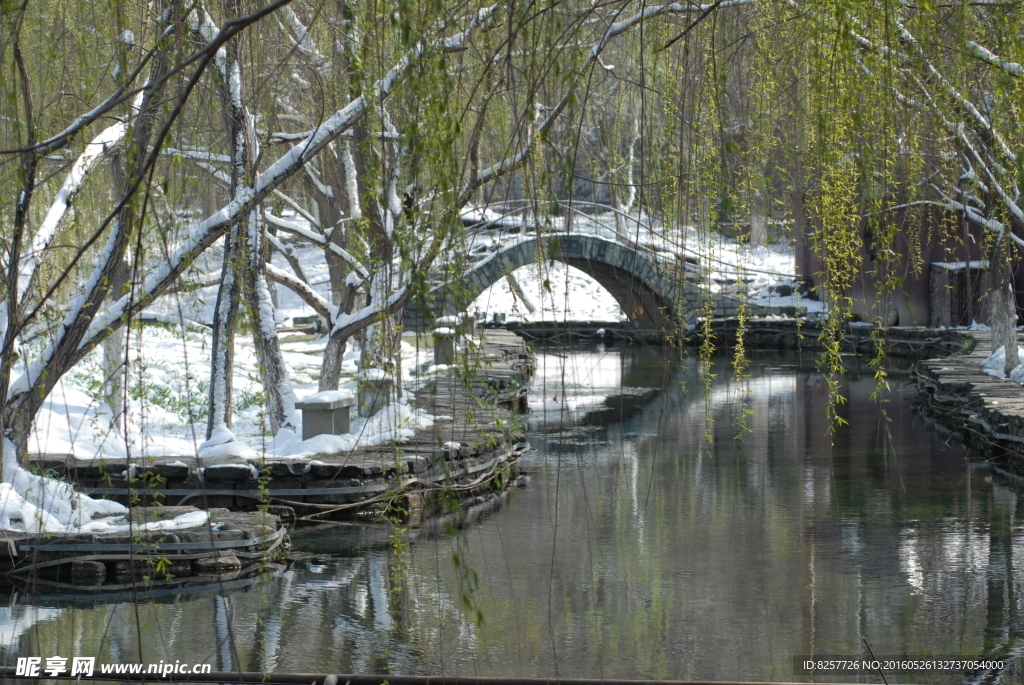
(472, 447)
(220, 546)
(971, 407)
(761, 333)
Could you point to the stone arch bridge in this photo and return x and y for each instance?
(652, 298)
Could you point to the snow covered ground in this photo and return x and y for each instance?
(555, 292)
(168, 382)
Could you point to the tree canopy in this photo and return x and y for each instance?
(136, 137)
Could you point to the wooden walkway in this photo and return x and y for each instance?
(472, 445)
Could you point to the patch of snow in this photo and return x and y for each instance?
(558, 292)
(329, 396)
(220, 435)
(229, 449)
(373, 375)
(996, 362)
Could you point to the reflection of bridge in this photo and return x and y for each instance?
(653, 294)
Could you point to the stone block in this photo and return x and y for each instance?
(374, 392)
(325, 413)
(444, 345)
(229, 473)
(286, 469)
(216, 565)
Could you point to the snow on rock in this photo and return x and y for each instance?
(223, 443)
(16, 514)
(329, 396)
(996, 362)
(36, 504)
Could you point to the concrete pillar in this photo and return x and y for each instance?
(467, 324)
(325, 413)
(444, 345)
(375, 387)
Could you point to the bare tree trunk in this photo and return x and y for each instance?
(758, 221)
(273, 371)
(1004, 305)
(330, 372)
(113, 357)
(222, 351)
(226, 312)
(245, 265)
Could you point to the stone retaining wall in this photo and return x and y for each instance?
(983, 412)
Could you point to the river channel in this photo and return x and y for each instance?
(676, 526)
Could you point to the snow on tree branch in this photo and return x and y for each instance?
(311, 297)
(94, 153)
(201, 235)
(322, 241)
(985, 55)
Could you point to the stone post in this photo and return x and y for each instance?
(444, 346)
(325, 413)
(468, 323)
(375, 387)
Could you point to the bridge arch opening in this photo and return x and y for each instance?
(549, 291)
(647, 295)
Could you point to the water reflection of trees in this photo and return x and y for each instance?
(661, 547)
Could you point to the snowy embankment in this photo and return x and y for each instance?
(168, 403)
(30, 503)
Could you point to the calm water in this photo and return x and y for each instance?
(650, 543)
